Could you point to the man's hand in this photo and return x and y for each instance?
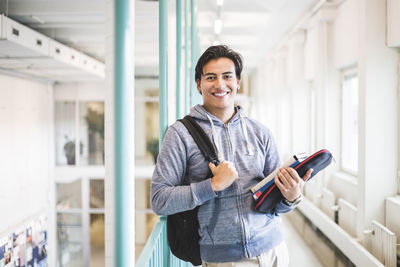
(289, 182)
(224, 175)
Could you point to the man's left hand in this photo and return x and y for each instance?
(290, 183)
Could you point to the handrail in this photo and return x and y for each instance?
(156, 252)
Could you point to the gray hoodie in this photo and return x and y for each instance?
(230, 229)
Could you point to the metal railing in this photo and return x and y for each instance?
(156, 251)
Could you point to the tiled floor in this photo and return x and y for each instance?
(299, 253)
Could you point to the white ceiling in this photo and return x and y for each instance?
(252, 27)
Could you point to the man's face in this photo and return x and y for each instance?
(218, 84)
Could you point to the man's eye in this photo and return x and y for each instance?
(228, 76)
(210, 78)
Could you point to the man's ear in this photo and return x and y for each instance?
(198, 86)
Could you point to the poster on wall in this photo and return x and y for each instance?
(6, 252)
(29, 247)
(25, 247)
(19, 239)
(40, 242)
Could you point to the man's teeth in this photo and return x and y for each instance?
(221, 94)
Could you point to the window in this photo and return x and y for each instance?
(91, 133)
(146, 151)
(87, 128)
(65, 133)
(97, 248)
(80, 214)
(146, 126)
(79, 134)
(69, 195)
(349, 145)
(69, 240)
(313, 118)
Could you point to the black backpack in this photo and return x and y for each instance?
(182, 227)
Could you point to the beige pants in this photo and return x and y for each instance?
(276, 257)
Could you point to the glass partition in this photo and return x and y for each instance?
(91, 133)
(70, 245)
(69, 195)
(97, 249)
(65, 132)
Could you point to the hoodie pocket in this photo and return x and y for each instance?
(219, 222)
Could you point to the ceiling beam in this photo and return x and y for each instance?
(66, 25)
(53, 7)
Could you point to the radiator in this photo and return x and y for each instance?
(327, 203)
(312, 192)
(383, 244)
(347, 217)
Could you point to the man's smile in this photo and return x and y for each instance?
(220, 94)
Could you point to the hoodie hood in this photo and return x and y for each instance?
(199, 112)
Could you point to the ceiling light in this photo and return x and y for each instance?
(220, 2)
(217, 26)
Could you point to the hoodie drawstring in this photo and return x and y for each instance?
(216, 139)
(244, 127)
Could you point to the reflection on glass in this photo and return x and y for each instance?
(97, 194)
(97, 240)
(91, 127)
(65, 132)
(69, 195)
(69, 240)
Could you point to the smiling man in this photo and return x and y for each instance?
(231, 232)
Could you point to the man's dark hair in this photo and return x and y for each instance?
(216, 52)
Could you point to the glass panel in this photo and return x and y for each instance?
(69, 240)
(350, 124)
(97, 254)
(145, 219)
(91, 127)
(142, 194)
(97, 194)
(146, 127)
(65, 132)
(69, 195)
(144, 225)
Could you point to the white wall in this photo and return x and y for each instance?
(346, 34)
(26, 154)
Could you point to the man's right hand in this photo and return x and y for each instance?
(224, 175)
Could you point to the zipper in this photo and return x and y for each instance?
(230, 143)
(239, 200)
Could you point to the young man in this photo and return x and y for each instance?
(231, 232)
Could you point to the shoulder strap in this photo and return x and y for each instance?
(201, 139)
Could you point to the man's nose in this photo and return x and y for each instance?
(220, 83)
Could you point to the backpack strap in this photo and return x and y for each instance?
(207, 149)
(201, 139)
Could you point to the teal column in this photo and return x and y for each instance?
(179, 111)
(195, 97)
(187, 59)
(163, 66)
(163, 94)
(123, 135)
(192, 54)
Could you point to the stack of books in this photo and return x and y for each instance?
(266, 184)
